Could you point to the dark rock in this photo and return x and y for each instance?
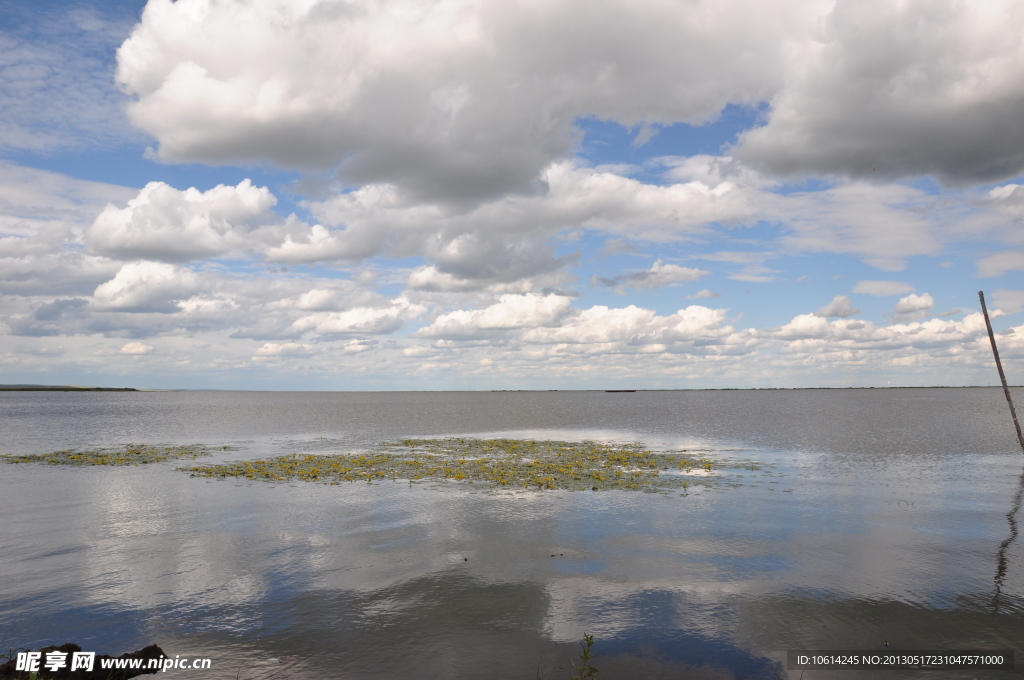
(97, 673)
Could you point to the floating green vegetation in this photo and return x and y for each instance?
(497, 463)
(130, 455)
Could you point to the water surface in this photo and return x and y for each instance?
(876, 516)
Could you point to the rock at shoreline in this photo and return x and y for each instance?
(7, 671)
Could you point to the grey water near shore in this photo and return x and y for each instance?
(871, 517)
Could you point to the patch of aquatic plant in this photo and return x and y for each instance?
(498, 463)
(129, 455)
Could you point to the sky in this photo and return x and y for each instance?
(513, 194)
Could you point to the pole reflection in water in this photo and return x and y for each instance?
(1011, 518)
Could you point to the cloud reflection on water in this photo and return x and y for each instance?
(389, 579)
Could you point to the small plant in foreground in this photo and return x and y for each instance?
(585, 670)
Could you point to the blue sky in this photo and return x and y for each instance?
(485, 195)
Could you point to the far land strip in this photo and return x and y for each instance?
(62, 388)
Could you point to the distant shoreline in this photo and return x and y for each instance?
(78, 388)
(62, 388)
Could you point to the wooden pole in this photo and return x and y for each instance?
(999, 367)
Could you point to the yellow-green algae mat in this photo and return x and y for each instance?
(129, 455)
(498, 463)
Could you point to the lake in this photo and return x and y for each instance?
(838, 519)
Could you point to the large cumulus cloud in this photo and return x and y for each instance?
(462, 100)
(146, 287)
(891, 89)
(166, 224)
(459, 99)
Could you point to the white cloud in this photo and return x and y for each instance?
(1010, 301)
(922, 87)
(41, 215)
(501, 241)
(1000, 263)
(1007, 201)
(468, 99)
(492, 258)
(755, 275)
(638, 327)
(447, 131)
(601, 333)
(278, 349)
(525, 320)
(499, 246)
(509, 312)
(150, 299)
(318, 244)
(377, 219)
(361, 320)
(882, 223)
(839, 307)
(658, 276)
(808, 333)
(52, 273)
(458, 99)
(320, 299)
(137, 348)
(146, 287)
(703, 294)
(32, 200)
(532, 338)
(165, 224)
(506, 245)
(431, 278)
(359, 345)
(599, 325)
(912, 306)
(882, 288)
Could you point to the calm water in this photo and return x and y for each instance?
(877, 516)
